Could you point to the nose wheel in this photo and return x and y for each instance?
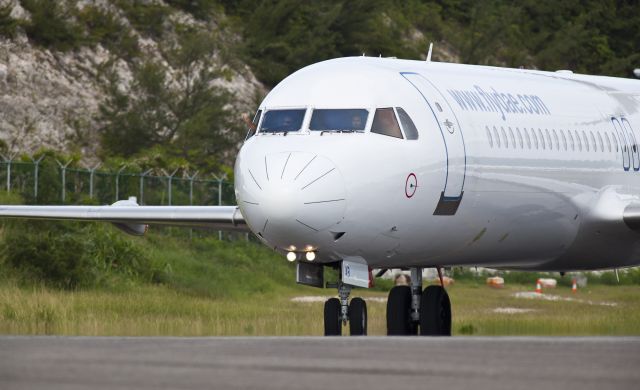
(340, 311)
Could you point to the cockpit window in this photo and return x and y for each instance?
(253, 126)
(409, 128)
(385, 122)
(282, 120)
(338, 120)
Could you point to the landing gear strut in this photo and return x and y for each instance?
(410, 307)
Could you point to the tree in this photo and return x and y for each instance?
(186, 116)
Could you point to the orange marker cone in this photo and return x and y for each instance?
(538, 287)
(574, 287)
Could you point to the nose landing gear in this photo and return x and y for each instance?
(339, 311)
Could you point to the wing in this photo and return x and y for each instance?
(631, 216)
(130, 217)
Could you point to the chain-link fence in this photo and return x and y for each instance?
(50, 181)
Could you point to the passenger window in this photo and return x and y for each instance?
(606, 138)
(615, 141)
(520, 141)
(564, 140)
(586, 141)
(578, 140)
(600, 142)
(489, 138)
(513, 138)
(546, 131)
(535, 138)
(496, 136)
(410, 130)
(338, 120)
(254, 125)
(504, 137)
(571, 142)
(282, 120)
(555, 139)
(541, 137)
(526, 135)
(385, 123)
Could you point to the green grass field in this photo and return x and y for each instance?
(206, 287)
(160, 311)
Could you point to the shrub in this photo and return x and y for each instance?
(8, 25)
(50, 25)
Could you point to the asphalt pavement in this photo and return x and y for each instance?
(477, 363)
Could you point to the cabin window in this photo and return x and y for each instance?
(410, 130)
(385, 123)
(541, 137)
(513, 138)
(556, 141)
(600, 143)
(282, 121)
(546, 131)
(489, 138)
(504, 138)
(571, 141)
(606, 138)
(586, 141)
(496, 136)
(527, 137)
(520, 141)
(339, 120)
(564, 140)
(535, 138)
(578, 140)
(615, 141)
(251, 131)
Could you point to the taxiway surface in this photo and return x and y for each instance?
(319, 363)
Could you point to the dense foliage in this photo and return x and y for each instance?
(588, 36)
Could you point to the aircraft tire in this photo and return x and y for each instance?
(435, 312)
(332, 321)
(399, 312)
(358, 317)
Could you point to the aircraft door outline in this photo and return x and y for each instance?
(624, 144)
(450, 129)
(635, 153)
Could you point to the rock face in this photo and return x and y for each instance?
(51, 99)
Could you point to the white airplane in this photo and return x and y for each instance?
(361, 163)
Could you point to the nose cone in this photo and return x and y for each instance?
(290, 199)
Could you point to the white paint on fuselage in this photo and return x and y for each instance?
(522, 207)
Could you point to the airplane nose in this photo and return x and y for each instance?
(290, 199)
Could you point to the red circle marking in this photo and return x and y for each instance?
(410, 185)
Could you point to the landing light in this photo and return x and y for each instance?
(291, 256)
(310, 256)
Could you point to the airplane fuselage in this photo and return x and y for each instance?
(511, 168)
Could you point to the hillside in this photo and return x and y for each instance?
(138, 79)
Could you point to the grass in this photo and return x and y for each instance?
(161, 311)
(206, 287)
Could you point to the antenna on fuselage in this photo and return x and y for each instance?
(430, 51)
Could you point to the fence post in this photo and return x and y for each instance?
(220, 197)
(63, 171)
(118, 181)
(191, 179)
(169, 185)
(92, 172)
(142, 176)
(35, 177)
(8, 161)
